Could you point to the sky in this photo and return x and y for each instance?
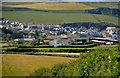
(60, 0)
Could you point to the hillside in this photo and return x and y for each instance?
(103, 4)
(48, 18)
(52, 6)
(59, 13)
(61, 6)
(56, 18)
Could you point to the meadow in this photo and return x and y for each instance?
(24, 65)
(3, 44)
(101, 4)
(107, 19)
(56, 18)
(62, 6)
(48, 18)
(57, 13)
(53, 6)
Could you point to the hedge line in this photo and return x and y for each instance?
(70, 46)
(20, 50)
(67, 50)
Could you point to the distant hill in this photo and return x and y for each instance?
(103, 4)
(52, 6)
(59, 13)
(62, 5)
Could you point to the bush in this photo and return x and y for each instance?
(56, 69)
(118, 47)
(41, 72)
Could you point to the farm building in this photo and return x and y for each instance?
(55, 43)
(25, 39)
(104, 40)
(60, 42)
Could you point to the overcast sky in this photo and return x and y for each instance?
(60, 0)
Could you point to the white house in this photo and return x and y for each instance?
(55, 43)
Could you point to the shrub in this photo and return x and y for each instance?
(41, 72)
(118, 47)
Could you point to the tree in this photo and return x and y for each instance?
(118, 46)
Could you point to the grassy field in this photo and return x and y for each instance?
(3, 44)
(41, 17)
(24, 65)
(107, 19)
(106, 47)
(56, 18)
(62, 6)
(53, 6)
(48, 18)
(105, 4)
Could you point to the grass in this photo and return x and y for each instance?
(105, 4)
(62, 6)
(24, 65)
(48, 18)
(106, 47)
(53, 6)
(40, 17)
(108, 19)
(56, 18)
(3, 44)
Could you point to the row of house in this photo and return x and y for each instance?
(64, 35)
(111, 32)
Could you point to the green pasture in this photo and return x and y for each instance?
(90, 4)
(56, 18)
(105, 47)
(3, 44)
(107, 19)
(103, 4)
(48, 18)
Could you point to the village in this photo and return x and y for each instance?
(58, 35)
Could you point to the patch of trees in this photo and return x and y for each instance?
(106, 11)
(100, 26)
(9, 34)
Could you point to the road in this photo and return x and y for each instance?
(58, 53)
